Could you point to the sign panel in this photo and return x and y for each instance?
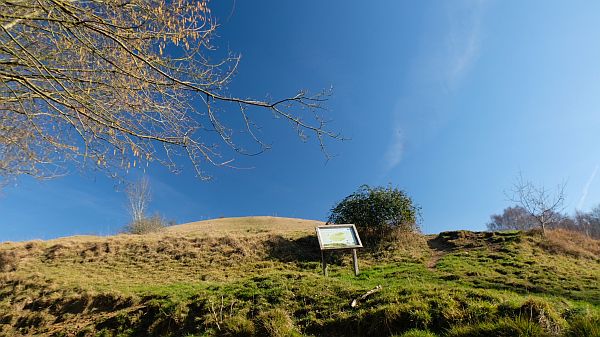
(338, 237)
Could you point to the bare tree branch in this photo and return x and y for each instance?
(119, 83)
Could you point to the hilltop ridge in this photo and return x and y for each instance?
(261, 276)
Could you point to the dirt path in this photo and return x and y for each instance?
(439, 249)
(433, 260)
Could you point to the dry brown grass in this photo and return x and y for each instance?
(213, 250)
(562, 241)
(8, 261)
(246, 226)
(403, 244)
(75, 275)
(241, 226)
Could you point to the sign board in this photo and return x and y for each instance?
(338, 237)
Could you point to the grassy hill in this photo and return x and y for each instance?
(261, 276)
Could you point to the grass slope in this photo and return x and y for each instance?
(261, 276)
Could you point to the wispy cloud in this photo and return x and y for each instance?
(394, 152)
(464, 39)
(586, 188)
(437, 73)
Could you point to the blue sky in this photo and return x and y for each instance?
(446, 100)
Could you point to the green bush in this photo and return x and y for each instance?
(377, 212)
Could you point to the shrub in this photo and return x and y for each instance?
(146, 225)
(377, 212)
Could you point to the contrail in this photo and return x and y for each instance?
(586, 188)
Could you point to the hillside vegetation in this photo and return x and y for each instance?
(261, 276)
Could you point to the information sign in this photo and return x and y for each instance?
(338, 237)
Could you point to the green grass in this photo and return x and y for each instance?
(269, 283)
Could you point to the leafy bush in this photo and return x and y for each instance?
(146, 225)
(377, 212)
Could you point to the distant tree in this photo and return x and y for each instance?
(567, 222)
(123, 82)
(594, 226)
(376, 211)
(138, 199)
(588, 222)
(515, 217)
(544, 205)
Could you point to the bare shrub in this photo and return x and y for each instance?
(146, 225)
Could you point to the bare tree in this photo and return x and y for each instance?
(588, 222)
(594, 224)
(138, 198)
(119, 83)
(544, 205)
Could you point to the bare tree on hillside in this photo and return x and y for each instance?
(119, 83)
(138, 198)
(544, 205)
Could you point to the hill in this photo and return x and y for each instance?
(261, 276)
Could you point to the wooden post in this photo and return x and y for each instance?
(355, 260)
(324, 263)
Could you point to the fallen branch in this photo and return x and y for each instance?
(355, 301)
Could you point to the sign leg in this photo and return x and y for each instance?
(355, 260)
(324, 263)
